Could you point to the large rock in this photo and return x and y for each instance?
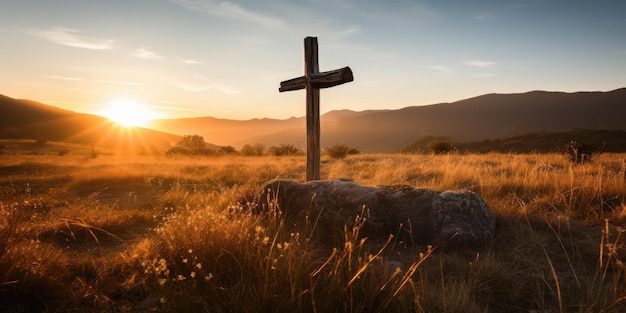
(419, 215)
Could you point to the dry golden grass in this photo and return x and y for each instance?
(148, 233)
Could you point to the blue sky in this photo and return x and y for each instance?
(225, 59)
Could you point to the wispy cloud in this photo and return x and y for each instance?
(484, 17)
(206, 85)
(145, 53)
(189, 61)
(123, 83)
(485, 75)
(231, 10)
(441, 68)
(519, 6)
(353, 30)
(103, 81)
(479, 63)
(72, 38)
(66, 78)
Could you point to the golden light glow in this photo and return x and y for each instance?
(128, 112)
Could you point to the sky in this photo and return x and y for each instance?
(226, 59)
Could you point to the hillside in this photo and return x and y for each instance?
(227, 132)
(23, 119)
(475, 119)
(533, 142)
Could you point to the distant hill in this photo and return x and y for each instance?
(227, 132)
(533, 142)
(480, 118)
(475, 119)
(24, 119)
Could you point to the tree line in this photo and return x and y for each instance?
(196, 145)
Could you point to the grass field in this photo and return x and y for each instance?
(84, 230)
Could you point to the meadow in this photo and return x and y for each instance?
(87, 230)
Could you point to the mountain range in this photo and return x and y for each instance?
(484, 117)
(480, 118)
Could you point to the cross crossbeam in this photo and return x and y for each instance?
(312, 81)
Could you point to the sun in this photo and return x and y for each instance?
(128, 112)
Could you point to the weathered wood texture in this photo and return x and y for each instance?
(312, 81)
(319, 80)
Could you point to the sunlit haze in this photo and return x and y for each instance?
(188, 58)
(128, 112)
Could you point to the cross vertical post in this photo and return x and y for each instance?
(311, 66)
(312, 81)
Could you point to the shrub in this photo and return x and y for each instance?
(227, 150)
(440, 146)
(578, 152)
(257, 149)
(194, 145)
(192, 142)
(340, 151)
(284, 149)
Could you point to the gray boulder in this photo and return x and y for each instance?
(418, 215)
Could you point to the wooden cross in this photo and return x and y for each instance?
(312, 81)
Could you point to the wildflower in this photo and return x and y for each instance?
(199, 266)
(185, 260)
(266, 240)
(193, 274)
(208, 277)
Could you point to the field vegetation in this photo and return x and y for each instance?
(86, 230)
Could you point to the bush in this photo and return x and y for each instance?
(284, 149)
(578, 152)
(440, 146)
(192, 142)
(257, 149)
(227, 150)
(340, 151)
